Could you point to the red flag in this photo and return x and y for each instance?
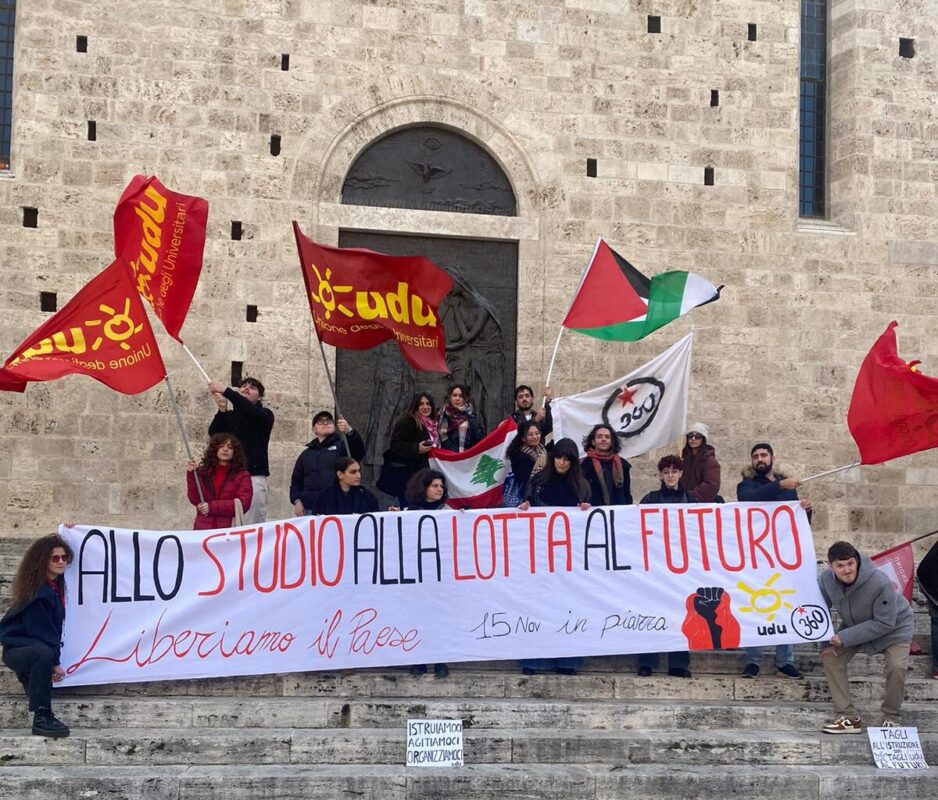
(894, 408)
(102, 332)
(161, 235)
(359, 299)
(899, 565)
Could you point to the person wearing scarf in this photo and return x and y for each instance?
(605, 471)
(413, 434)
(459, 427)
(527, 454)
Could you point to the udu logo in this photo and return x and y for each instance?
(631, 408)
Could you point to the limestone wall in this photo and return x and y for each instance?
(193, 91)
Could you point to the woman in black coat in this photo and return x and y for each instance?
(412, 436)
(31, 631)
(459, 426)
(426, 491)
(527, 455)
(559, 484)
(346, 495)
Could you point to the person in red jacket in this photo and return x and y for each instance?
(223, 478)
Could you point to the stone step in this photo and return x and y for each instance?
(489, 713)
(465, 682)
(208, 746)
(479, 782)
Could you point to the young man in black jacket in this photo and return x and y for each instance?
(314, 471)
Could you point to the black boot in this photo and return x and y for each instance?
(46, 724)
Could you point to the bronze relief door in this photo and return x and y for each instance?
(435, 169)
(480, 318)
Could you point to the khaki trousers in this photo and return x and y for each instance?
(835, 670)
(258, 510)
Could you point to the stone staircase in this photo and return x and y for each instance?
(602, 734)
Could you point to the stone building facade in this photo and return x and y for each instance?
(602, 128)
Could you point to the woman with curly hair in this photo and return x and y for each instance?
(527, 455)
(31, 631)
(224, 478)
(426, 491)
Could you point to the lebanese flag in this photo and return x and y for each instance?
(103, 332)
(474, 478)
(898, 563)
(359, 299)
(161, 235)
(615, 301)
(894, 408)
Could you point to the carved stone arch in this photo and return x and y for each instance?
(445, 112)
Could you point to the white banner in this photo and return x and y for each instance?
(647, 408)
(416, 587)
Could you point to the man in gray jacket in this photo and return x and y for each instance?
(875, 619)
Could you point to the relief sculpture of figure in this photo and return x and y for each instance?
(475, 347)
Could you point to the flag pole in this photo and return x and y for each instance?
(335, 398)
(182, 433)
(197, 364)
(553, 358)
(322, 350)
(831, 471)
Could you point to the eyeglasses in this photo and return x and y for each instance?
(57, 558)
(694, 436)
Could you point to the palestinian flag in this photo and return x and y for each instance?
(474, 478)
(616, 302)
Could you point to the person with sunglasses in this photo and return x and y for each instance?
(31, 630)
(701, 476)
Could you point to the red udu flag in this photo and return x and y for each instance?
(359, 299)
(161, 235)
(102, 332)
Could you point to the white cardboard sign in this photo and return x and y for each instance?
(434, 743)
(897, 748)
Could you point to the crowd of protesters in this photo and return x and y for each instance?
(229, 486)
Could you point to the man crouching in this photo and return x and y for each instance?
(875, 619)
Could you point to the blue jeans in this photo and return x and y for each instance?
(784, 654)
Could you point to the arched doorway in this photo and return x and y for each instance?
(432, 168)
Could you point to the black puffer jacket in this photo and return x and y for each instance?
(314, 471)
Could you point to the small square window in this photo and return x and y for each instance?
(714, 97)
(654, 24)
(92, 130)
(30, 217)
(591, 168)
(237, 371)
(48, 301)
(236, 231)
(285, 62)
(275, 144)
(81, 44)
(708, 176)
(907, 48)
(752, 31)
(251, 314)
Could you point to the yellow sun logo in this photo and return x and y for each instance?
(767, 600)
(325, 293)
